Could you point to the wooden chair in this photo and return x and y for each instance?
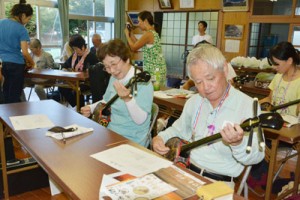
(98, 81)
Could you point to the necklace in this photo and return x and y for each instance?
(277, 90)
(211, 127)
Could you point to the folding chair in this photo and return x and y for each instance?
(152, 128)
(243, 184)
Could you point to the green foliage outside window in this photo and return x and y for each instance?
(77, 26)
(30, 26)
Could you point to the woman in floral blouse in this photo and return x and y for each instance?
(150, 44)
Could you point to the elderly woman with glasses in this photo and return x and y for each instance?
(130, 114)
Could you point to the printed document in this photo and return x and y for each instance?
(26, 122)
(131, 160)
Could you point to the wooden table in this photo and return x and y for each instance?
(170, 106)
(253, 91)
(291, 136)
(70, 164)
(72, 80)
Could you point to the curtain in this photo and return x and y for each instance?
(158, 18)
(2, 9)
(120, 19)
(63, 8)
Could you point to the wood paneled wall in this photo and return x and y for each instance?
(238, 18)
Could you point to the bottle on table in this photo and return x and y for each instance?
(156, 80)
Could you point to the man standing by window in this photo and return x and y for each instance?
(202, 25)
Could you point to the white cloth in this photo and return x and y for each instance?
(78, 131)
(231, 73)
(199, 38)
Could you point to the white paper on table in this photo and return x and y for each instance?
(161, 94)
(292, 120)
(54, 188)
(179, 92)
(131, 160)
(26, 122)
(66, 72)
(78, 131)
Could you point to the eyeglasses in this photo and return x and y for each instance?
(107, 68)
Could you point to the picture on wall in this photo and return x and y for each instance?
(165, 4)
(234, 31)
(235, 5)
(133, 18)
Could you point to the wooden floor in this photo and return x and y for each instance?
(44, 193)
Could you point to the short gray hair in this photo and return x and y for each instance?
(206, 53)
(35, 43)
(96, 36)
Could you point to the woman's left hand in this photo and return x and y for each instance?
(126, 31)
(232, 134)
(122, 91)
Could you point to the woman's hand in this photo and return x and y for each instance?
(85, 111)
(159, 146)
(122, 91)
(232, 134)
(28, 65)
(266, 106)
(127, 32)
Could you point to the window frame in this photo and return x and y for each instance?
(291, 20)
(173, 72)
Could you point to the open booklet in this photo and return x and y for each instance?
(141, 168)
(169, 183)
(290, 120)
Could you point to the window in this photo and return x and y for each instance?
(267, 7)
(44, 25)
(297, 10)
(282, 24)
(86, 17)
(78, 7)
(296, 36)
(49, 30)
(92, 16)
(176, 40)
(265, 35)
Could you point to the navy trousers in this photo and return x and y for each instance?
(13, 81)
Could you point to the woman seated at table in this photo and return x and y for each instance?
(284, 88)
(42, 60)
(80, 60)
(130, 114)
(286, 83)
